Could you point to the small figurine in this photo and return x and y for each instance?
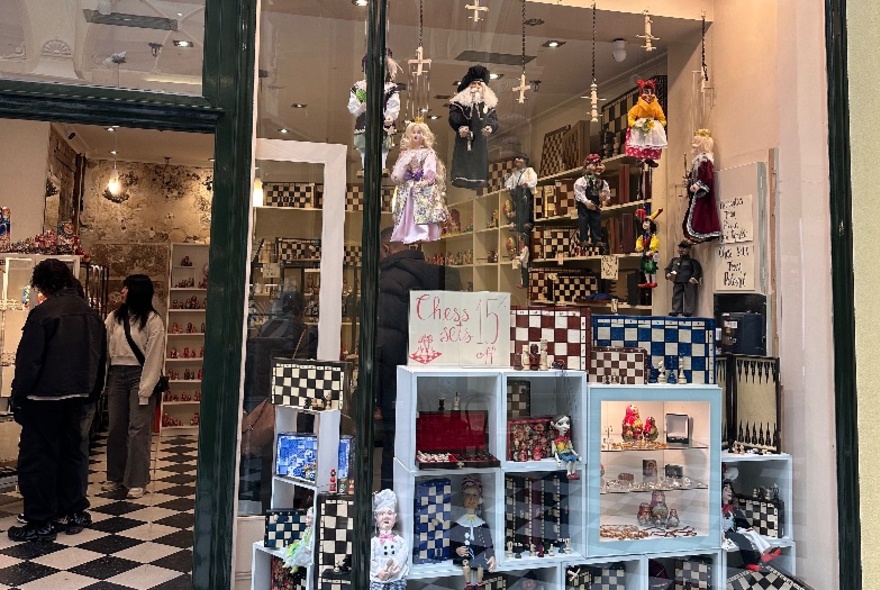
(738, 533)
(521, 183)
(542, 363)
(568, 545)
(175, 328)
(659, 510)
(562, 447)
(646, 136)
(644, 515)
(661, 371)
(389, 552)
(186, 261)
(650, 431)
(509, 553)
(332, 481)
(456, 402)
(522, 260)
(534, 357)
(470, 538)
(685, 274)
(631, 428)
(590, 194)
(173, 353)
(524, 357)
(672, 520)
(648, 245)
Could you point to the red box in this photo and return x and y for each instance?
(462, 436)
(529, 439)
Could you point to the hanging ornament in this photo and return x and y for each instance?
(648, 37)
(594, 87)
(704, 68)
(523, 84)
(419, 76)
(477, 10)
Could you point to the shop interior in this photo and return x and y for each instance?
(707, 59)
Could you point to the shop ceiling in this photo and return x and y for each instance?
(311, 54)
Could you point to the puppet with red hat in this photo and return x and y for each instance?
(646, 136)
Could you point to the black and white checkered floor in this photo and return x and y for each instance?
(143, 544)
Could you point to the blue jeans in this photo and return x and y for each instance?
(131, 427)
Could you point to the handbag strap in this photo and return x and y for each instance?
(134, 347)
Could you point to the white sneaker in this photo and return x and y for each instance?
(111, 486)
(135, 493)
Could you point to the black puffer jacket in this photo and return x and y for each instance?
(399, 274)
(62, 352)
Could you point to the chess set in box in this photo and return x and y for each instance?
(432, 518)
(763, 512)
(536, 513)
(453, 440)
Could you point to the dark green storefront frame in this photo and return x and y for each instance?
(226, 111)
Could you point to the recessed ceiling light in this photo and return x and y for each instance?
(553, 43)
(113, 152)
(534, 22)
(210, 159)
(359, 2)
(284, 130)
(434, 117)
(111, 129)
(298, 105)
(495, 76)
(182, 43)
(179, 14)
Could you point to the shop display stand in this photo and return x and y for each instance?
(283, 488)
(593, 409)
(179, 407)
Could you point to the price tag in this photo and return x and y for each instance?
(271, 271)
(609, 268)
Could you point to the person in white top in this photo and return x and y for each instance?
(521, 183)
(131, 380)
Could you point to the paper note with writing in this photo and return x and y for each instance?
(609, 268)
(271, 270)
(737, 222)
(735, 266)
(458, 328)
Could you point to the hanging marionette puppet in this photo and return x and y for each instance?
(648, 245)
(470, 538)
(591, 193)
(419, 203)
(472, 117)
(357, 106)
(701, 222)
(646, 136)
(389, 552)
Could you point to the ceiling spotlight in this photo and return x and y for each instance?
(359, 2)
(298, 105)
(534, 22)
(210, 159)
(494, 76)
(619, 51)
(111, 129)
(284, 130)
(553, 43)
(182, 43)
(434, 117)
(113, 152)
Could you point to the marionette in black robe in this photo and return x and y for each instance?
(472, 117)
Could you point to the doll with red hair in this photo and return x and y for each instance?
(646, 136)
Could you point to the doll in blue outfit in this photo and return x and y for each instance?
(389, 552)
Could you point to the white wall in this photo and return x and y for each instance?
(24, 156)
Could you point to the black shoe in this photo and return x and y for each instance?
(39, 533)
(651, 163)
(673, 314)
(77, 522)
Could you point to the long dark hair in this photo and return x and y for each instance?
(139, 301)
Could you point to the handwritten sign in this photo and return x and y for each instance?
(735, 267)
(737, 223)
(457, 328)
(609, 268)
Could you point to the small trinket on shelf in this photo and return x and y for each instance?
(568, 545)
(186, 261)
(534, 358)
(509, 553)
(172, 353)
(543, 358)
(203, 328)
(524, 357)
(332, 481)
(441, 406)
(189, 328)
(198, 395)
(200, 375)
(186, 352)
(175, 328)
(563, 450)
(456, 402)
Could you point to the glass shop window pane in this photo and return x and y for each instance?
(156, 46)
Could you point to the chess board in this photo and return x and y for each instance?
(354, 197)
(302, 384)
(563, 197)
(565, 329)
(610, 576)
(497, 172)
(293, 249)
(283, 527)
(540, 204)
(693, 574)
(553, 152)
(432, 518)
(296, 195)
(614, 112)
(664, 337)
(519, 396)
(563, 286)
(333, 541)
(352, 255)
(769, 577)
(556, 241)
(612, 364)
(765, 516)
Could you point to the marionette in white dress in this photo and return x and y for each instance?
(419, 203)
(646, 136)
(389, 552)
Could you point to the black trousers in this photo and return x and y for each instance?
(51, 461)
(684, 298)
(589, 222)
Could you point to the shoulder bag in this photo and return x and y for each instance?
(162, 384)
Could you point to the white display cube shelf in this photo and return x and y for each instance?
(614, 502)
(633, 572)
(711, 575)
(326, 428)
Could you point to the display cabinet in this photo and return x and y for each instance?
(654, 469)
(185, 337)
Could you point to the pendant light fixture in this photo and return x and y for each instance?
(113, 184)
(523, 85)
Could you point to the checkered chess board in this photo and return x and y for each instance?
(765, 516)
(292, 249)
(333, 539)
(595, 577)
(563, 196)
(354, 197)
(132, 543)
(297, 195)
(298, 384)
(519, 397)
(564, 328)
(693, 574)
(564, 286)
(553, 152)
(352, 255)
(557, 241)
(611, 364)
(432, 518)
(768, 578)
(497, 171)
(283, 527)
(692, 339)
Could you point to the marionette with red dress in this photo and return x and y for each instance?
(646, 136)
(701, 222)
(648, 245)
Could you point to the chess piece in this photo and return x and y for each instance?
(670, 377)
(524, 356)
(509, 553)
(517, 362)
(441, 406)
(534, 358)
(568, 545)
(456, 402)
(542, 362)
(661, 371)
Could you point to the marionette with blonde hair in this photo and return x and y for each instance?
(357, 106)
(646, 136)
(419, 203)
(648, 245)
(701, 223)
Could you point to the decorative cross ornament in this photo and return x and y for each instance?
(648, 37)
(477, 10)
(420, 62)
(523, 86)
(594, 102)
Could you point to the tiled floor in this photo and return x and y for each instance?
(143, 544)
